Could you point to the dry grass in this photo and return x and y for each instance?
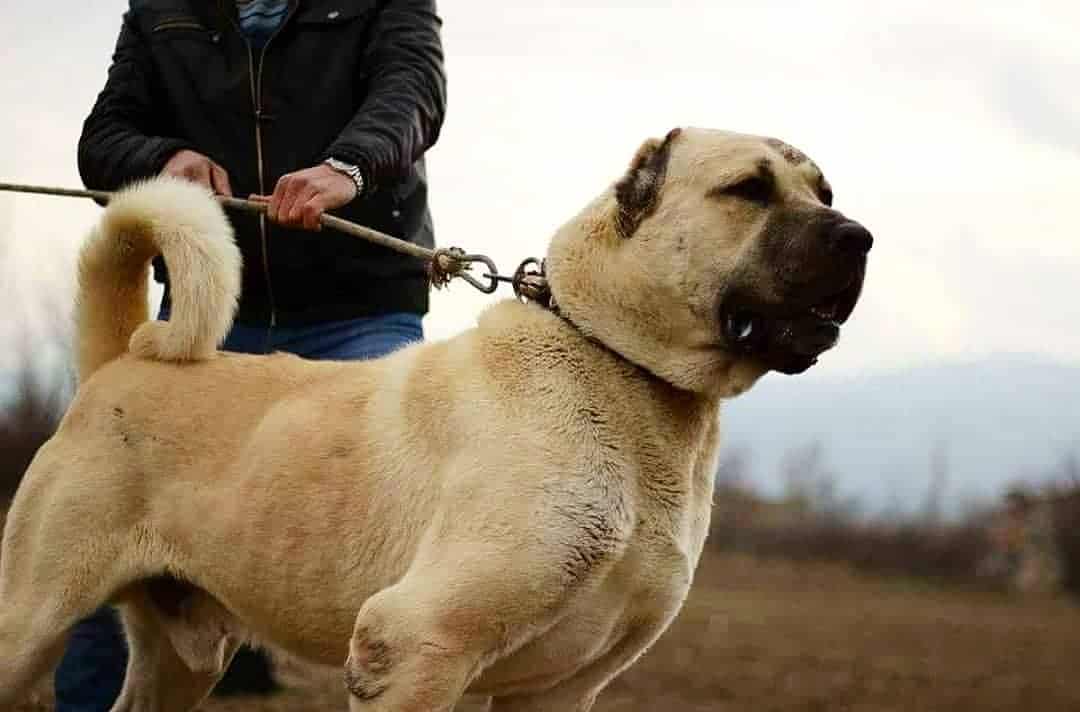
(764, 636)
(775, 636)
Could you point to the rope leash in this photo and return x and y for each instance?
(444, 264)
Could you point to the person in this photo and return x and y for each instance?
(311, 106)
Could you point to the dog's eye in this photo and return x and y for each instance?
(755, 189)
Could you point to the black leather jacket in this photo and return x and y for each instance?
(360, 80)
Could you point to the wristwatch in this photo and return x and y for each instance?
(348, 169)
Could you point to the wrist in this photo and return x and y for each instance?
(350, 171)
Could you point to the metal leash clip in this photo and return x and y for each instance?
(450, 262)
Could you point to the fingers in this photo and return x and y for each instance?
(283, 197)
(300, 199)
(302, 205)
(305, 202)
(311, 213)
(195, 167)
(178, 163)
(219, 180)
(198, 172)
(293, 213)
(296, 201)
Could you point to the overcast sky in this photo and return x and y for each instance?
(950, 129)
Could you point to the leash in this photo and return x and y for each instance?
(444, 264)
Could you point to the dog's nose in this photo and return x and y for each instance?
(850, 237)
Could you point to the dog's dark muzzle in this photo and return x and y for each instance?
(789, 334)
(787, 345)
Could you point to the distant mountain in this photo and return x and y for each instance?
(988, 422)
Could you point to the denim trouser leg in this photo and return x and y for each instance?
(91, 673)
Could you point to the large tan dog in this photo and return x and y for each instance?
(515, 512)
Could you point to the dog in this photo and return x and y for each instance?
(516, 512)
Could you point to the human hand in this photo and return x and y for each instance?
(301, 198)
(198, 168)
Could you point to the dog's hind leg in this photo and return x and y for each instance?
(29, 648)
(34, 624)
(160, 677)
(44, 588)
(60, 562)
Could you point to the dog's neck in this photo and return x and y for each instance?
(532, 285)
(599, 343)
(679, 354)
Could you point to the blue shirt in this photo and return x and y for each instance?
(259, 19)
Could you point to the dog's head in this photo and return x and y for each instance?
(715, 258)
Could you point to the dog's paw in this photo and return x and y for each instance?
(367, 668)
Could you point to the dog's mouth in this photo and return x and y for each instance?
(789, 337)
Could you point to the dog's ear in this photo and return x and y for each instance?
(638, 190)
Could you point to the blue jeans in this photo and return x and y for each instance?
(91, 673)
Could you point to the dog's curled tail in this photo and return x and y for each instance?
(186, 225)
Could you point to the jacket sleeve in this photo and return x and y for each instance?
(117, 144)
(402, 114)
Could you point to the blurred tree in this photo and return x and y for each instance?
(934, 501)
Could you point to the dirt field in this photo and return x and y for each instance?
(766, 636)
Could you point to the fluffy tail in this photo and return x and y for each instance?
(182, 222)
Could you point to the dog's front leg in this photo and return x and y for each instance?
(485, 581)
(401, 658)
(418, 645)
(579, 693)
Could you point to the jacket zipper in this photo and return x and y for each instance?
(255, 76)
(256, 100)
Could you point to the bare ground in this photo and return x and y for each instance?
(762, 636)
